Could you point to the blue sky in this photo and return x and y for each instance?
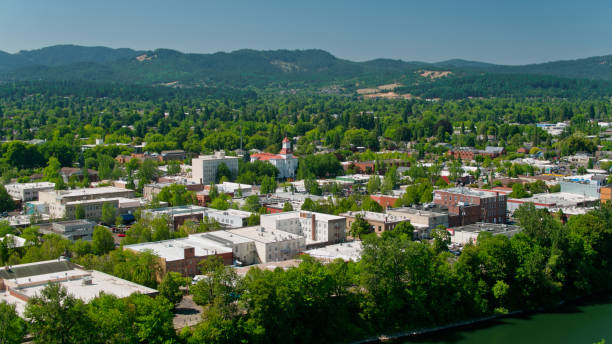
(508, 32)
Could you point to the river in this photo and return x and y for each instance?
(585, 323)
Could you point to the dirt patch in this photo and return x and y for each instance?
(144, 57)
(367, 90)
(389, 87)
(434, 74)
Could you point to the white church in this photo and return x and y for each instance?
(285, 162)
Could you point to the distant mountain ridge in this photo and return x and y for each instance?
(245, 68)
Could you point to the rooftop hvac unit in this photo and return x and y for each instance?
(87, 280)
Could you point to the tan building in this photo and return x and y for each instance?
(378, 221)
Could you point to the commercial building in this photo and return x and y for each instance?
(26, 192)
(272, 245)
(378, 221)
(184, 255)
(468, 153)
(204, 168)
(348, 251)
(385, 201)
(422, 220)
(243, 249)
(72, 230)
(472, 205)
(149, 191)
(20, 283)
(469, 233)
(69, 172)
(176, 216)
(168, 155)
(556, 200)
(285, 162)
(316, 227)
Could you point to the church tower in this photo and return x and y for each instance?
(286, 150)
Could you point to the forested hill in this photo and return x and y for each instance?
(596, 68)
(295, 69)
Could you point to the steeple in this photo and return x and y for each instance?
(286, 147)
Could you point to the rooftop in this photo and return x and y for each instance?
(174, 249)
(263, 235)
(22, 186)
(487, 227)
(345, 251)
(90, 191)
(561, 199)
(469, 192)
(297, 214)
(373, 216)
(415, 211)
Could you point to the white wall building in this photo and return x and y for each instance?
(285, 162)
(204, 168)
(26, 192)
(316, 227)
(272, 245)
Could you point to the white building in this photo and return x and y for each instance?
(469, 233)
(204, 168)
(230, 218)
(285, 162)
(63, 203)
(20, 283)
(348, 251)
(316, 227)
(26, 192)
(272, 245)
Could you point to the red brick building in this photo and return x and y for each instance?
(472, 205)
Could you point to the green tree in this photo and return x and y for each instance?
(174, 168)
(360, 227)
(441, 239)
(287, 207)
(170, 287)
(12, 327)
(223, 172)
(103, 241)
(268, 185)
(6, 201)
(79, 212)
(373, 185)
(176, 195)
(109, 213)
(58, 317)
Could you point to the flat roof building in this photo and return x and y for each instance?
(272, 245)
(469, 233)
(20, 283)
(204, 168)
(379, 222)
(26, 192)
(316, 227)
(348, 251)
(183, 255)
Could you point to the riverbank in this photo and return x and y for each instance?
(459, 331)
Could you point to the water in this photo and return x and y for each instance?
(585, 324)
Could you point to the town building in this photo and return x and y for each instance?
(72, 230)
(272, 245)
(69, 172)
(20, 283)
(348, 251)
(285, 162)
(149, 191)
(168, 155)
(315, 227)
(472, 205)
(63, 203)
(468, 153)
(176, 216)
(385, 201)
(469, 233)
(184, 255)
(26, 192)
(555, 200)
(422, 220)
(204, 168)
(378, 221)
